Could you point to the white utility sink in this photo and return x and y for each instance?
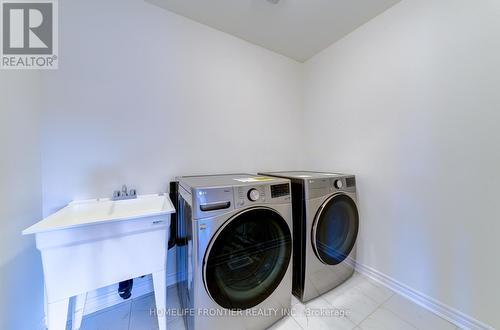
(90, 244)
(95, 211)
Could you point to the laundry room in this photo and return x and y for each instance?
(252, 164)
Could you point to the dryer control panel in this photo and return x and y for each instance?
(324, 186)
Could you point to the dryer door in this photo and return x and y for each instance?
(335, 229)
(247, 258)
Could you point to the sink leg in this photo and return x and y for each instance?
(78, 311)
(45, 307)
(160, 287)
(57, 314)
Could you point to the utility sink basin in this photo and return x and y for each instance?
(91, 244)
(95, 211)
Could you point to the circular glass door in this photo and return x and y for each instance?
(248, 259)
(335, 229)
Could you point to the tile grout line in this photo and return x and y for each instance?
(130, 314)
(376, 309)
(300, 326)
(379, 304)
(400, 318)
(296, 322)
(332, 305)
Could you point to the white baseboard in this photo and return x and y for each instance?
(454, 316)
(108, 296)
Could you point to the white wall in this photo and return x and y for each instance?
(143, 95)
(21, 282)
(410, 103)
(407, 102)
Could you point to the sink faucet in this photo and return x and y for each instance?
(124, 194)
(124, 190)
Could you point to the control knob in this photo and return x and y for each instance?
(253, 194)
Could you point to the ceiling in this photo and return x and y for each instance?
(295, 28)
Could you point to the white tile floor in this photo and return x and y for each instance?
(366, 304)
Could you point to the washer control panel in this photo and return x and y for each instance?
(280, 190)
(262, 194)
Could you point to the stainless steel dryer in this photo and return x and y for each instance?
(325, 228)
(234, 248)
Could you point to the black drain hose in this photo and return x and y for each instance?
(125, 288)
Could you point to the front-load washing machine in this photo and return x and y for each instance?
(234, 248)
(325, 228)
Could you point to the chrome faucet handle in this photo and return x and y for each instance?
(124, 194)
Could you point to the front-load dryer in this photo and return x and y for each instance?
(325, 228)
(234, 248)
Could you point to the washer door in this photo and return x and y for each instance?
(335, 229)
(247, 258)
